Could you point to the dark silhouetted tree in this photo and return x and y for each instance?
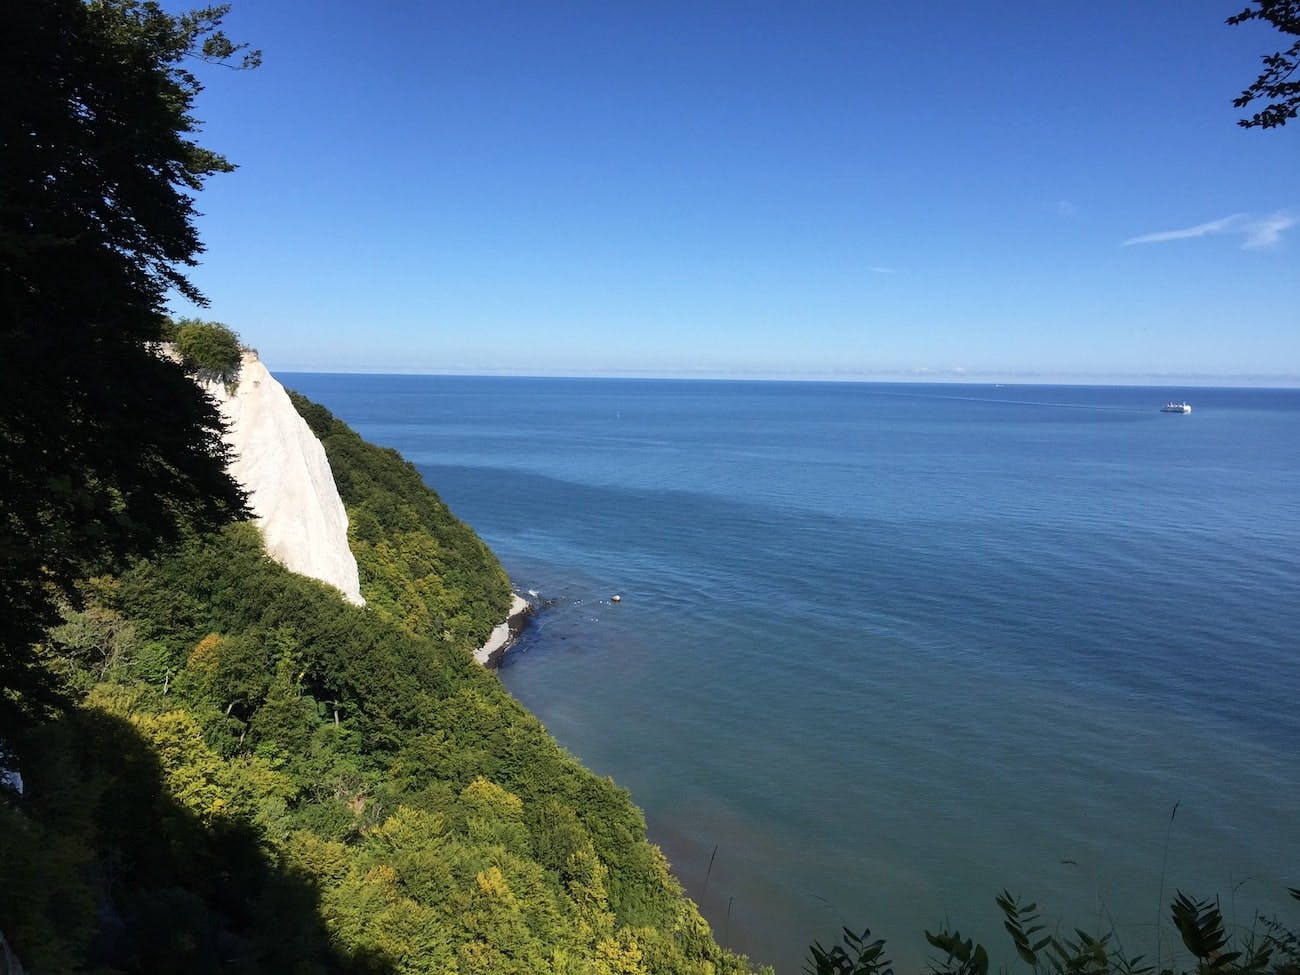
(106, 448)
(1278, 81)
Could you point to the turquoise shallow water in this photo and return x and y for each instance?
(888, 649)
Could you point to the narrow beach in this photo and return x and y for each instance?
(504, 633)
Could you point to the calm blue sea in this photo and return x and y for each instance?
(884, 650)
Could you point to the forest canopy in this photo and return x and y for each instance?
(270, 774)
(419, 564)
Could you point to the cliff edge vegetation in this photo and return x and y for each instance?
(420, 565)
(257, 772)
(208, 350)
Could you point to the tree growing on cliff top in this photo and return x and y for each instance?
(1278, 81)
(106, 449)
(208, 349)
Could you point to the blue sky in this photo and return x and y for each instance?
(827, 189)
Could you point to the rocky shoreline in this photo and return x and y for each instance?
(505, 633)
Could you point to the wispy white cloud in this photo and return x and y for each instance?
(1064, 208)
(1268, 231)
(1259, 232)
(1219, 226)
(875, 269)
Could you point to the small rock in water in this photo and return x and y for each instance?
(616, 598)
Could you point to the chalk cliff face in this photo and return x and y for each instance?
(282, 466)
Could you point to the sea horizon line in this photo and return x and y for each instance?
(1132, 380)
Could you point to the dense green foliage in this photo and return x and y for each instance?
(137, 850)
(105, 448)
(419, 564)
(248, 738)
(262, 775)
(207, 349)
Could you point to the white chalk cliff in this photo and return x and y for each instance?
(282, 466)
